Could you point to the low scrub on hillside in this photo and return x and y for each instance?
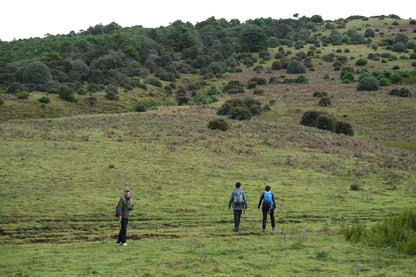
(324, 121)
(241, 109)
(397, 232)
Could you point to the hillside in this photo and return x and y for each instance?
(63, 164)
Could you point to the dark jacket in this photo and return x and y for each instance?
(124, 207)
(265, 205)
(242, 206)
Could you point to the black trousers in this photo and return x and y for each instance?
(271, 212)
(123, 230)
(237, 217)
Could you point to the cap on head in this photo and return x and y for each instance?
(238, 184)
(267, 188)
(126, 190)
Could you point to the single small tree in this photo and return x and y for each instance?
(295, 67)
(369, 83)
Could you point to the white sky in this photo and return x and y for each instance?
(35, 18)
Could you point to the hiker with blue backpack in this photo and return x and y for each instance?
(269, 207)
(239, 202)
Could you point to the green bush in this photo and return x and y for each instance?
(182, 97)
(36, 76)
(82, 91)
(45, 100)
(369, 83)
(326, 122)
(301, 79)
(218, 124)
(369, 33)
(309, 118)
(93, 88)
(403, 92)
(267, 108)
(140, 108)
(396, 231)
(354, 232)
(258, 91)
(324, 102)
(111, 92)
(344, 128)
(154, 82)
(228, 105)
(347, 77)
(234, 87)
(256, 109)
(276, 65)
(384, 82)
(67, 93)
(23, 95)
(258, 80)
(361, 62)
(240, 113)
(251, 101)
(399, 47)
(92, 100)
(1, 101)
(295, 67)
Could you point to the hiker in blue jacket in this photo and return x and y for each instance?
(239, 201)
(269, 207)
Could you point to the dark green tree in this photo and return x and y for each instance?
(253, 39)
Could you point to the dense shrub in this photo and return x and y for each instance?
(240, 113)
(399, 47)
(369, 83)
(361, 62)
(258, 91)
(325, 101)
(23, 95)
(301, 79)
(234, 87)
(154, 82)
(276, 65)
(403, 92)
(369, 33)
(182, 97)
(344, 128)
(258, 68)
(1, 101)
(36, 76)
(228, 105)
(309, 118)
(67, 94)
(250, 101)
(218, 124)
(326, 122)
(347, 77)
(384, 82)
(256, 109)
(295, 67)
(93, 88)
(258, 80)
(140, 108)
(253, 39)
(44, 100)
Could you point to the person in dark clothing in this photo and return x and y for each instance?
(239, 202)
(122, 212)
(269, 207)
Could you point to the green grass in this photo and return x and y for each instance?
(59, 192)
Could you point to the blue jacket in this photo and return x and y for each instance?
(242, 206)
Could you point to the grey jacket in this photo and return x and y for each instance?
(236, 206)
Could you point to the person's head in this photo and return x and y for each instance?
(238, 184)
(267, 188)
(126, 192)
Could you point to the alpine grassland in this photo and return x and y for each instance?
(181, 125)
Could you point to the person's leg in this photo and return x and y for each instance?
(120, 234)
(235, 219)
(123, 230)
(265, 212)
(272, 219)
(239, 212)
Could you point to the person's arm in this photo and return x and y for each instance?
(231, 200)
(274, 202)
(120, 208)
(261, 199)
(245, 201)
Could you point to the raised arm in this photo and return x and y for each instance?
(261, 199)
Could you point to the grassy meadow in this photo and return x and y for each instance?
(61, 179)
(63, 167)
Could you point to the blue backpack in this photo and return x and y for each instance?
(268, 198)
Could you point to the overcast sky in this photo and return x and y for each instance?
(35, 18)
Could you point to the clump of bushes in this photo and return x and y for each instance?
(361, 62)
(23, 95)
(324, 121)
(234, 87)
(403, 92)
(209, 96)
(66, 93)
(241, 109)
(295, 67)
(324, 102)
(111, 92)
(369, 83)
(319, 94)
(276, 65)
(218, 124)
(301, 79)
(36, 76)
(397, 232)
(253, 82)
(45, 100)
